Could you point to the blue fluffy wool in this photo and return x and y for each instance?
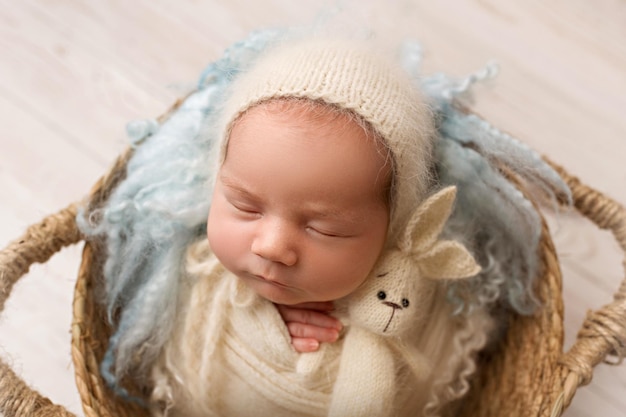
(155, 212)
(162, 205)
(492, 217)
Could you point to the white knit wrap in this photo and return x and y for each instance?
(350, 76)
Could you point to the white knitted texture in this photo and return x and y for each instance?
(348, 75)
(231, 354)
(367, 378)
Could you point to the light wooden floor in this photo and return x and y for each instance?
(72, 73)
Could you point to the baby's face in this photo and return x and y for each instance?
(298, 212)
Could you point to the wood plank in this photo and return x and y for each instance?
(72, 73)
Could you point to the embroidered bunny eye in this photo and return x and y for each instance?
(405, 303)
(381, 295)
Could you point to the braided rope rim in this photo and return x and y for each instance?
(603, 333)
(37, 244)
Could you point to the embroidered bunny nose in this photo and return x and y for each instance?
(392, 305)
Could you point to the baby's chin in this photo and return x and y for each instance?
(283, 294)
(275, 292)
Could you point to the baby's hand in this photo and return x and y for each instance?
(309, 325)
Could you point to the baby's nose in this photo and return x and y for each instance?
(274, 242)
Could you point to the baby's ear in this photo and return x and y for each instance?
(448, 259)
(427, 222)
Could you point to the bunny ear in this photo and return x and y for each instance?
(448, 260)
(427, 222)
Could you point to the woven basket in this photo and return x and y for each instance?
(527, 376)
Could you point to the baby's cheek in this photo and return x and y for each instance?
(211, 228)
(341, 277)
(220, 235)
(229, 241)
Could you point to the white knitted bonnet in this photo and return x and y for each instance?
(349, 75)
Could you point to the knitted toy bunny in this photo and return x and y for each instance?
(391, 303)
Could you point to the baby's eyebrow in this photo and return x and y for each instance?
(237, 186)
(329, 213)
(320, 212)
(347, 217)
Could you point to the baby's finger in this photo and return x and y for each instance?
(311, 317)
(306, 331)
(327, 306)
(303, 345)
